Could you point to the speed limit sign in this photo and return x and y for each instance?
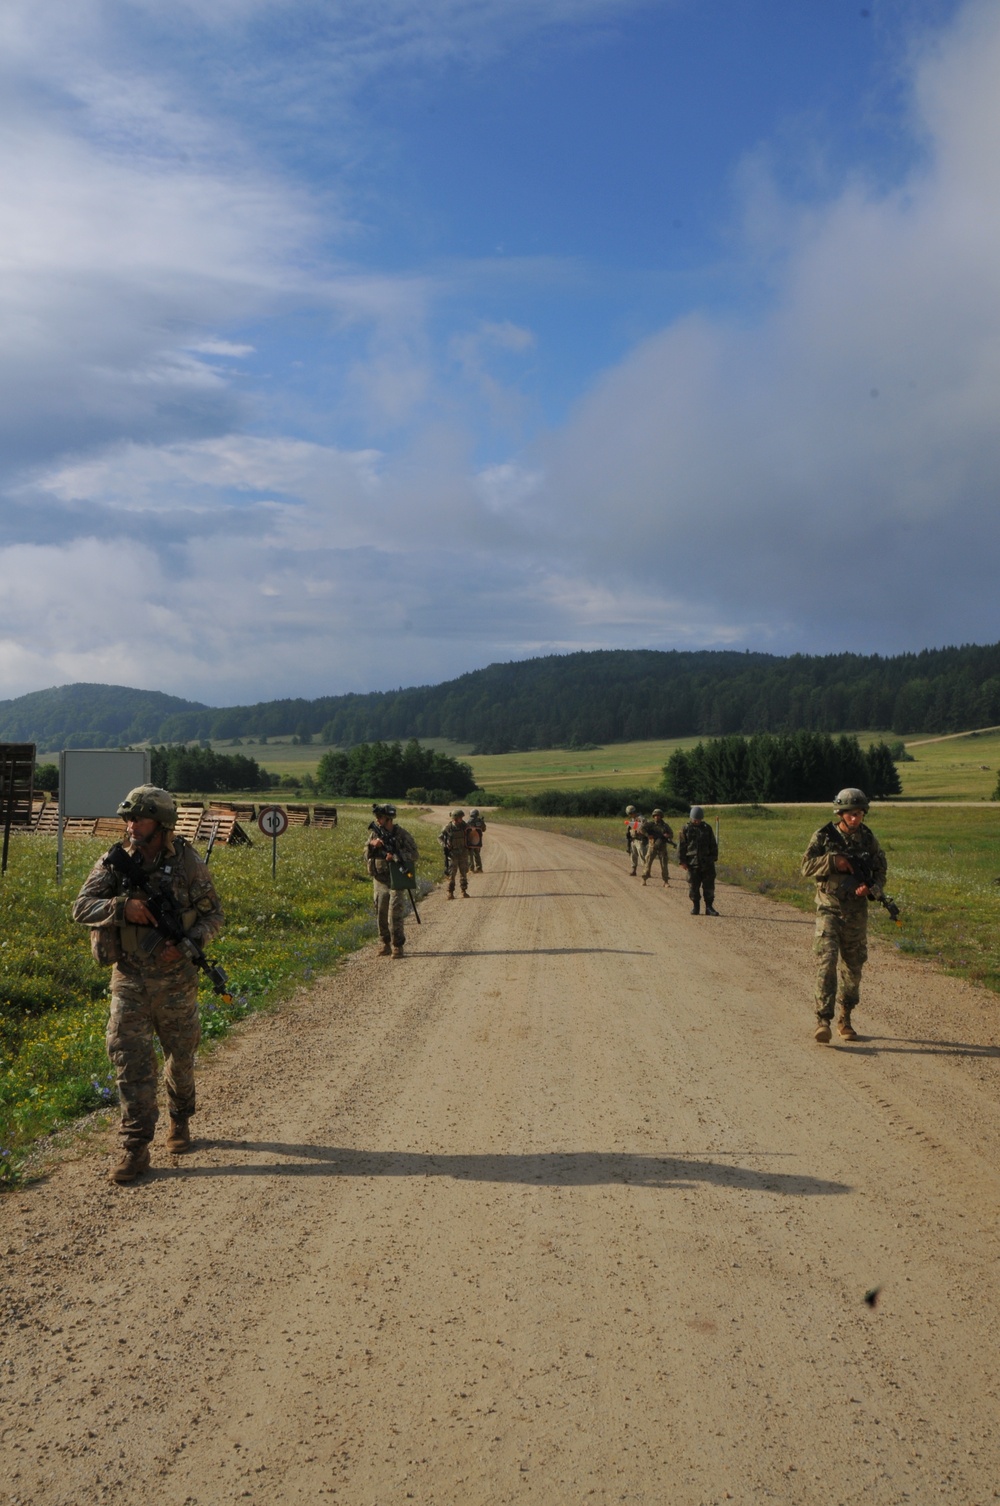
(272, 820)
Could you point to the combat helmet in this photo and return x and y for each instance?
(149, 802)
(384, 810)
(657, 811)
(850, 799)
(474, 811)
(630, 810)
(454, 814)
(697, 814)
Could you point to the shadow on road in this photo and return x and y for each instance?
(551, 1168)
(538, 951)
(901, 1045)
(555, 894)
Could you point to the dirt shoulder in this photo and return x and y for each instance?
(567, 1206)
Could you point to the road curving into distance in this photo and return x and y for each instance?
(567, 1207)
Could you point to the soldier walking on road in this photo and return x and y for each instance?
(387, 845)
(845, 859)
(635, 842)
(453, 839)
(474, 838)
(659, 837)
(698, 854)
(154, 982)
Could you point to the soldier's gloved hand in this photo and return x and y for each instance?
(843, 865)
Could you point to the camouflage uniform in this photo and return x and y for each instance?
(150, 996)
(841, 917)
(700, 851)
(474, 840)
(390, 904)
(453, 840)
(657, 834)
(635, 841)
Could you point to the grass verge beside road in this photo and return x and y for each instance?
(944, 871)
(54, 997)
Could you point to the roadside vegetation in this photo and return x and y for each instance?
(944, 871)
(54, 998)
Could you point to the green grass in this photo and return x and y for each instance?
(944, 871)
(54, 998)
(963, 768)
(953, 768)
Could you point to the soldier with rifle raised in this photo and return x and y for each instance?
(151, 907)
(391, 859)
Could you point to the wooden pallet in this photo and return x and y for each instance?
(17, 774)
(298, 815)
(324, 815)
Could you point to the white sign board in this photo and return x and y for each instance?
(94, 782)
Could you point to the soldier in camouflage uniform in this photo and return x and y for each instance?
(841, 908)
(698, 854)
(658, 835)
(390, 902)
(453, 840)
(474, 839)
(635, 843)
(154, 982)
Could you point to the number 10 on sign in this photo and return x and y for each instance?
(272, 821)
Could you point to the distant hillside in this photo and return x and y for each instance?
(88, 716)
(625, 695)
(606, 696)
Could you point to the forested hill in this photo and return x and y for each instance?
(600, 697)
(89, 716)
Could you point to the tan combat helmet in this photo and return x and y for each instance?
(149, 802)
(657, 812)
(455, 815)
(850, 800)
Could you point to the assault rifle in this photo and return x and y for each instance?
(863, 872)
(398, 866)
(167, 914)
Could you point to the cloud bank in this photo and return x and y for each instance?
(819, 474)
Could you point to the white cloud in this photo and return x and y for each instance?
(840, 454)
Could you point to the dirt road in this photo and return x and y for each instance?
(565, 1208)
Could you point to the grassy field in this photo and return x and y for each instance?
(953, 768)
(944, 871)
(54, 998)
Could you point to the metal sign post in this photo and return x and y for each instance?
(272, 821)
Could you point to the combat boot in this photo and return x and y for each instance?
(384, 950)
(465, 893)
(134, 1162)
(397, 951)
(822, 1031)
(845, 1029)
(711, 910)
(179, 1138)
(696, 908)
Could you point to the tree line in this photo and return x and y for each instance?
(565, 700)
(802, 766)
(390, 770)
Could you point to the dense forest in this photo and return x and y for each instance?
(798, 766)
(605, 696)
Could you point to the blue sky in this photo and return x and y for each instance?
(353, 345)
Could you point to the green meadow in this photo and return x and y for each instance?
(943, 768)
(944, 871)
(54, 998)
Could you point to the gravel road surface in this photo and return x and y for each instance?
(566, 1207)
